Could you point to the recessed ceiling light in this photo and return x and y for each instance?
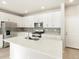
(4, 2)
(71, 1)
(26, 11)
(43, 7)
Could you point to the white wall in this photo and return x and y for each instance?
(9, 17)
(51, 18)
(72, 11)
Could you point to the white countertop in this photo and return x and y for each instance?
(45, 35)
(46, 45)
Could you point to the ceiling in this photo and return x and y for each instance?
(22, 7)
(29, 6)
(75, 2)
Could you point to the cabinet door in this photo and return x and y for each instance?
(4, 17)
(25, 21)
(45, 21)
(51, 20)
(31, 21)
(1, 41)
(36, 55)
(54, 20)
(72, 39)
(28, 21)
(19, 23)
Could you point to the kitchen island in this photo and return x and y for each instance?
(45, 48)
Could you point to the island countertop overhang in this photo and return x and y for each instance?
(45, 46)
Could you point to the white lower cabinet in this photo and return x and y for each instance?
(1, 41)
(19, 52)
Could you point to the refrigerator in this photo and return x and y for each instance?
(7, 31)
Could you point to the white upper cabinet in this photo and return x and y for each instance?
(50, 19)
(12, 18)
(54, 20)
(3, 16)
(28, 22)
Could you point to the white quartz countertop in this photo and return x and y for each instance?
(47, 46)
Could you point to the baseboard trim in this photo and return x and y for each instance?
(72, 48)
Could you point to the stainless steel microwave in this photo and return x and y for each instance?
(38, 25)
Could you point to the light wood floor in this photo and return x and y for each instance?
(4, 53)
(68, 53)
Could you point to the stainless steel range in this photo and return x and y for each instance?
(37, 31)
(7, 32)
(38, 27)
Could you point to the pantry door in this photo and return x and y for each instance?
(72, 29)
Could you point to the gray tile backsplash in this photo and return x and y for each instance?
(47, 30)
(24, 29)
(53, 30)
